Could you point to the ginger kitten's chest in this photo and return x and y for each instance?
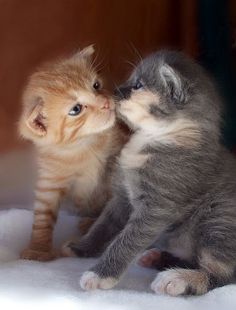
(87, 174)
(78, 174)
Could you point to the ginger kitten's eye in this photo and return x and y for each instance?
(76, 110)
(138, 85)
(96, 85)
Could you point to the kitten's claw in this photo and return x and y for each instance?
(39, 255)
(91, 281)
(170, 282)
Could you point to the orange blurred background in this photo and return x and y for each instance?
(33, 31)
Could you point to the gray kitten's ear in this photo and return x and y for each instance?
(173, 84)
(36, 119)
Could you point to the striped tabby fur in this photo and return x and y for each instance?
(75, 152)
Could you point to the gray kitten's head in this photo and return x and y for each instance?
(167, 92)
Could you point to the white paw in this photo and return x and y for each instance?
(91, 281)
(169, 282)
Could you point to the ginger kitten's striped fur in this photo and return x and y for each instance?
(71, 121)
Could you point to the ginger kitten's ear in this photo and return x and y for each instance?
(36, 120)
(85, 53)
(88, 51)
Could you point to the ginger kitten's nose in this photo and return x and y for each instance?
(106, 104)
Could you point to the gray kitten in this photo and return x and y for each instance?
(175, 184)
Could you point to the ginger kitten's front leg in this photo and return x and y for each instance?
(45, 216)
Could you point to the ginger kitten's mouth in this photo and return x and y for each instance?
(111, 117)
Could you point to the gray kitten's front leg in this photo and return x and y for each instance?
(108, 225)
(138, 234)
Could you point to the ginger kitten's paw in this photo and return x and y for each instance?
(39, 255)
(150, 258)
(91, 281)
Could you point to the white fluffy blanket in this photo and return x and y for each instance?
(33, 285)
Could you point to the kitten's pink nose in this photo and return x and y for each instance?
(106, 104)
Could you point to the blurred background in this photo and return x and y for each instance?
(34, 31)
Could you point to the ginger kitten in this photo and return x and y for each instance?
(70, 119)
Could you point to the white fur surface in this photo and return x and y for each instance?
(33, 285)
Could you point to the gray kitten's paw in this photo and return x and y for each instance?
(66, 250)
(170, 282)
(79, 248)
(91, 281)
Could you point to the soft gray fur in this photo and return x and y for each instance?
(183, 197)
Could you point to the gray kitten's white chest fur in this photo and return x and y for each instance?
(132, 158)
(131, 155)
